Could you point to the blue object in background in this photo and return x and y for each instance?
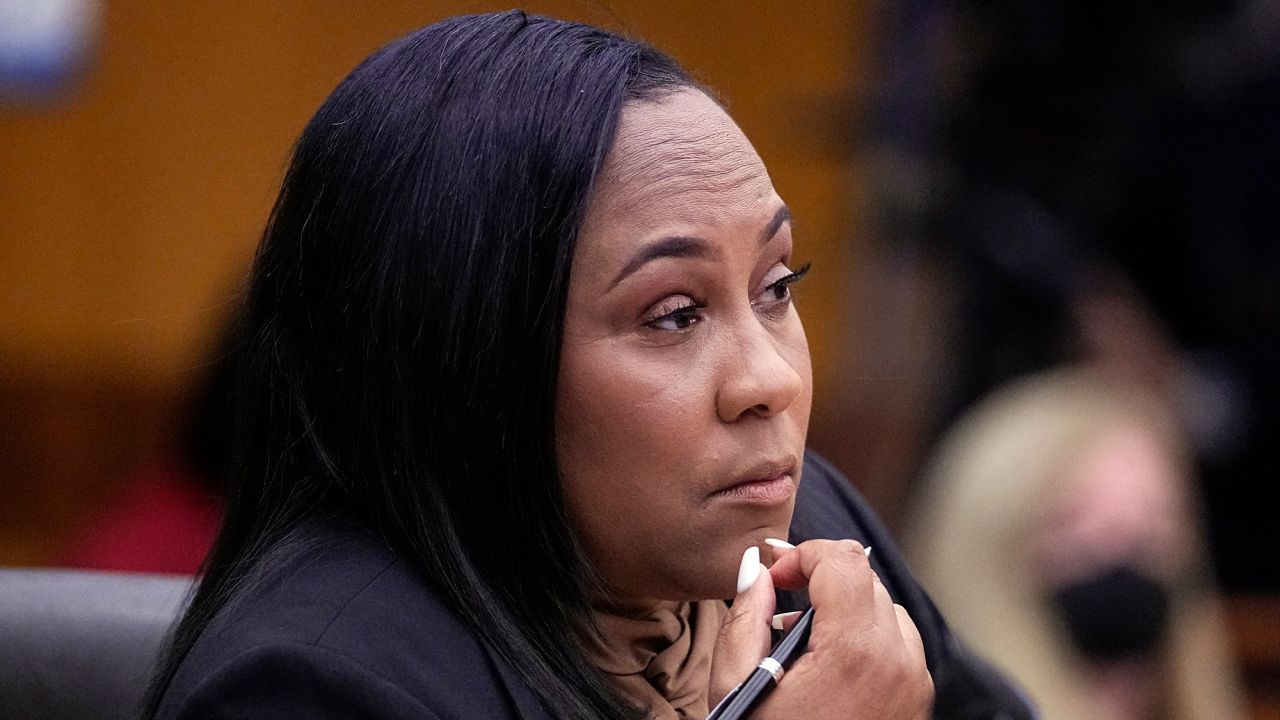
(44, 45)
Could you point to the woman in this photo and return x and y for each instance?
(1088, 579)
(523, 393)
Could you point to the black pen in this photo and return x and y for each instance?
(751, 691)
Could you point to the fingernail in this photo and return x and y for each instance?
(868, 551)
(780, 618)
(781, 544)
(749, 570)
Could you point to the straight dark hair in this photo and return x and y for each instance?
(400, 341)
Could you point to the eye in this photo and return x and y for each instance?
(779, 290)
(675, 313)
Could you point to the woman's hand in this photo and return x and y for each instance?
(865, 657)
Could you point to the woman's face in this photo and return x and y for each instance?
(685, 384)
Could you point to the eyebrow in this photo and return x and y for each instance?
(678, 246)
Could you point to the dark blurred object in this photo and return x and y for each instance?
(1115, 615)
(1097, 182)
(81, 644)
(166, 515)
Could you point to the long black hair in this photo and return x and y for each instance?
(402, 327)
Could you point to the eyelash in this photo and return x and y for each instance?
(685, 312)
(779, 286)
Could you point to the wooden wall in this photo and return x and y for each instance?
(129, 210)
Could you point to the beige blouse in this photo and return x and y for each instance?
(660, 657)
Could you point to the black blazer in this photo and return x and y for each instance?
(339, 628)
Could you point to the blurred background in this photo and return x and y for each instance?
(1010, 206)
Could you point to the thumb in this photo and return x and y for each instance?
(744, 633)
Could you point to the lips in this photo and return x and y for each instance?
(767, 482)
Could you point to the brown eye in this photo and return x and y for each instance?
(675, 314)
(780, 288)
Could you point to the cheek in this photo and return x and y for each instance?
(795, 347)
(613, 406)
(792, 346)
(628, 430)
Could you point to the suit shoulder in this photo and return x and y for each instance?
(283, 679)
(339, 612)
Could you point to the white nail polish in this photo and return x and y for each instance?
(781, 618)
(775, 542)
(749, 570)
(867, 551)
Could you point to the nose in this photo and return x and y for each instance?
(758, 378)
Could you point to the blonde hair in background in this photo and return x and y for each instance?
(971, 539)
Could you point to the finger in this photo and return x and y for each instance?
(886, 616)
(839, 579)
(841, 582)
(791, 570)
(911, 636)
(778, 547)
(916, 658)
(784, 621)
(743, 639)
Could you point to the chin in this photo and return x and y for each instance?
(719, 590)
(710, 570)
(715, 577)
(721, 581)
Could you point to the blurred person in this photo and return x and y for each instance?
(1058, 529)
(1076, 178)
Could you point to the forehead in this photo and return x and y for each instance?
(681, 160)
